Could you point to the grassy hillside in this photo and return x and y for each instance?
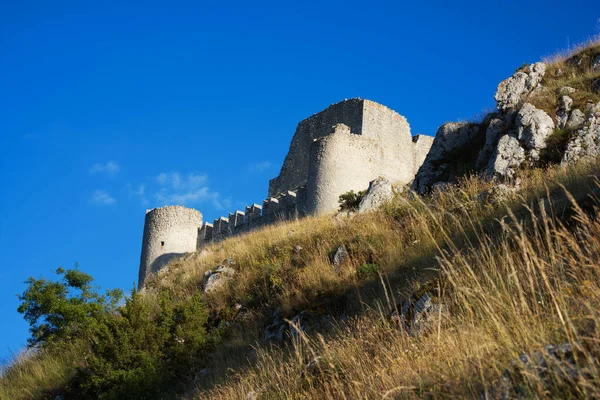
(512, 271)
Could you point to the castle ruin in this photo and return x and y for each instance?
(339, 149)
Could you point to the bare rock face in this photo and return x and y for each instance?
(507, 158)
(563, 110)
(493, 133)
(576, 120)
(380, 191)
(533, 128)
(586, 141)
(511, 91)
(449, 139)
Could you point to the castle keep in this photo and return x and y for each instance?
(339, 149)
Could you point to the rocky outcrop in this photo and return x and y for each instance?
(379, 191)
(494, 131)
(507, 158)
(511, 91)
(533, 127)
(585, 142)
(449, 140)
(563, 110)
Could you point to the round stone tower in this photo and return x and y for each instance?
(169, 232)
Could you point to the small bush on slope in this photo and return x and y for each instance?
(93, 349)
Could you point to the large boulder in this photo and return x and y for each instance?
(506, 159)
(585, 142)
(533, 128)
(449, 140)
(379, 191)
(511, 91)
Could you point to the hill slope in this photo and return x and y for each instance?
(475, 290)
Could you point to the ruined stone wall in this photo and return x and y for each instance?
(169, 232)
(339, 163)
(421, 146)
(294, 172)
(392, 132)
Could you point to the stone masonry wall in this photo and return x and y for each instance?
(339, 163)
(294, 172)
(169, 232)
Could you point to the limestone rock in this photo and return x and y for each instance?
(596, 63)
(507, 158)
(563, 110)
(565, 90)
(586, 141)
(511, 90)
(340, 257)
(576, 119)
(494, 131)
(449, 139)
(380, 191)
(214, 279)
(533, 128)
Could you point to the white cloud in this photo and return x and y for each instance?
(100, 197)
(175, 181)
(110, 168)
(259, 166)
(187, 190)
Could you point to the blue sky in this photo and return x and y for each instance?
(110, 108)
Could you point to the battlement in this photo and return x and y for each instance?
(282, 207)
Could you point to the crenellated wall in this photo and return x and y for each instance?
(283, 207)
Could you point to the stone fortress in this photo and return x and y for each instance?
(339, 149)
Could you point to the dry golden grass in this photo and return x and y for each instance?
(511, 292)
(561, 71)
(35, 375)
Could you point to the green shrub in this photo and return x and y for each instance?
(349, 201)
(143, 352)
(64, 310)
(367, 270)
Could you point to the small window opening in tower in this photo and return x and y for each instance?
(162, 244)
